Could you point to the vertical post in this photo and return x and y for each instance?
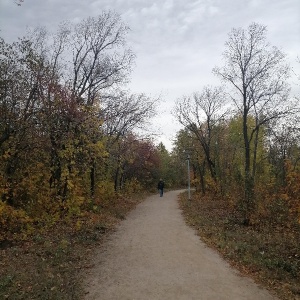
(189, 177)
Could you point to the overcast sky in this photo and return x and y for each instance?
(176, 42)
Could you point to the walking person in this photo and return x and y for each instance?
(160, 187)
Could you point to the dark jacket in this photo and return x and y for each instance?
(160, 185)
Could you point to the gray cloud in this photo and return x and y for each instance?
(177, 42)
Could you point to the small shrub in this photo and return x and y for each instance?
(13, 222)
(132, 186)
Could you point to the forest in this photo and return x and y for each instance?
(71, 142)
(67, 126)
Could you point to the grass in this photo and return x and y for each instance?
(267, 252)
(49, 264)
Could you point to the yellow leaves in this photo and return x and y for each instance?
(64, 244)
(2, 208)
(280, 203)
(6, 154)
(104, 192)
(70, 184)
(75, 198)
(96, 149)
(13, 221)
(132, 186)
(3, 186)
(78, 225)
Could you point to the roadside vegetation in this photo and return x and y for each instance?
(267, 251)
(50, 263)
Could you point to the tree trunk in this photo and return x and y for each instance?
(255, 153)
(116, 178)
(248, 204)
(92, 178)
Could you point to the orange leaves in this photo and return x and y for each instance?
(279, 203)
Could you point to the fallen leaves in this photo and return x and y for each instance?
(267, 252)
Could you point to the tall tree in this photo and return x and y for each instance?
(258, 74)
(21, 70)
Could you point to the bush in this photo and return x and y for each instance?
(13, 222)
(132, 186)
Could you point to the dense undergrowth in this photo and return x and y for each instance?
(267, 251)
(48, 264)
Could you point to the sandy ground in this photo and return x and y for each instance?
(154, 255)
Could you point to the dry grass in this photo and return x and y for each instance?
(266, 252)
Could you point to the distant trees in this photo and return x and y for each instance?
(201, 114)
(186, 147)
(121, 114)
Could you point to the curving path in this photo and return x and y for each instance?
(155, 255)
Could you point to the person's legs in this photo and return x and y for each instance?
(161, 192)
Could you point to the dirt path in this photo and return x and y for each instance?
(154, 255)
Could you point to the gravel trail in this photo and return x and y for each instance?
(154, 255)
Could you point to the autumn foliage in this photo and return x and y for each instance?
(67, 141)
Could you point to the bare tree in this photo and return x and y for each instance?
(258, 74)
(90, 57)
(123, 112)
(100, 59)
(19, 2)
(200, 114)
